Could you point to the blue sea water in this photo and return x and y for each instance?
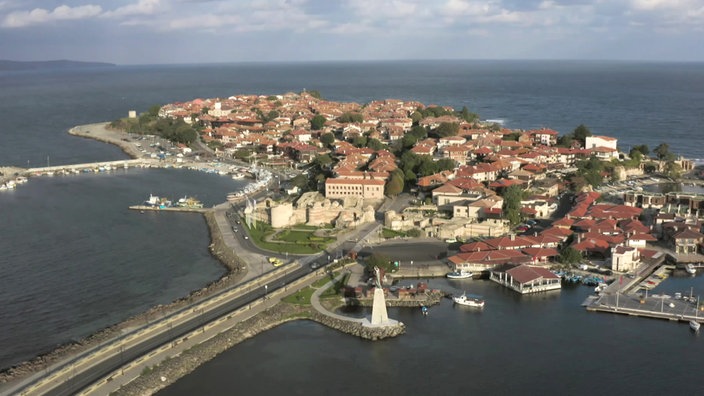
(74, 259)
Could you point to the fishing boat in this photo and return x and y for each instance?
(461, 274)
(155, 201)
(470, 301)
(189, 202)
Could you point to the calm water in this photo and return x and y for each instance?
(536, 345)
(76, 260)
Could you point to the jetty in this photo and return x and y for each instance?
(629, 296)
(169, 209)
(89, 166)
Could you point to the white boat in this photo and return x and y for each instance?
(694, 325)
(690, 269)
(461, 274)
(470, 301)
(600, 288)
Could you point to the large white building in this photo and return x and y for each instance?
(604, 147)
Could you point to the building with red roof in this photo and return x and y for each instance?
(526, 279)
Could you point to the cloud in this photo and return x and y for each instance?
(672, 14)
(142, 7)
(37, 16)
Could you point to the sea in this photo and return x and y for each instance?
(74, 259)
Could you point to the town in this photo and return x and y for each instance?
(501, 196)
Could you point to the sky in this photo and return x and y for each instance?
(214, 31)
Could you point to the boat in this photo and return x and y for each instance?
(694, 325)
(189, 202)
(690, 269)
(424, 310)
(155, 201)
(470, 301)
(600, 288)
(461, 274)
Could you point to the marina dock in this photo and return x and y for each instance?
(629, 296)
(169, 209)
(656, 306)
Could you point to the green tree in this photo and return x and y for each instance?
(413, 233)
(446, 164)
(580, 133)
(360, 141)
(427, 166)
(416, 116)
(348, 117)
(643, 149)
(512, 204)
(395, 184)
(570, 255)
(375, 144)
(410, 177)
(317, 122)
(673, 170)
(243, 154)
(512, 136)
(467, 116)
(447, 129)
(327, 139)
(408, 141)
(300, 181)
(322, 161)
(314, 93)
(380, 261)
(591, 169)
(662, 152)
(650, 167)
(154, 111)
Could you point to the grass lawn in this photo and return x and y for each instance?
(389, 233)
(294, 242)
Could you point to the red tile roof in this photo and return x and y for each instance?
(527, 273)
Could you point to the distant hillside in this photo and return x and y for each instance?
(53, 64)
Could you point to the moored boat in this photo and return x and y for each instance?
(690, 269)
(189, 202)
(694, 325)
(470, 301)
(155, 201)
(461, 274)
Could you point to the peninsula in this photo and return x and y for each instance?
(504, 203)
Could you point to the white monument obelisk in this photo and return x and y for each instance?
(379, 315)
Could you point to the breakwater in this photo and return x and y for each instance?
(170, 370)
